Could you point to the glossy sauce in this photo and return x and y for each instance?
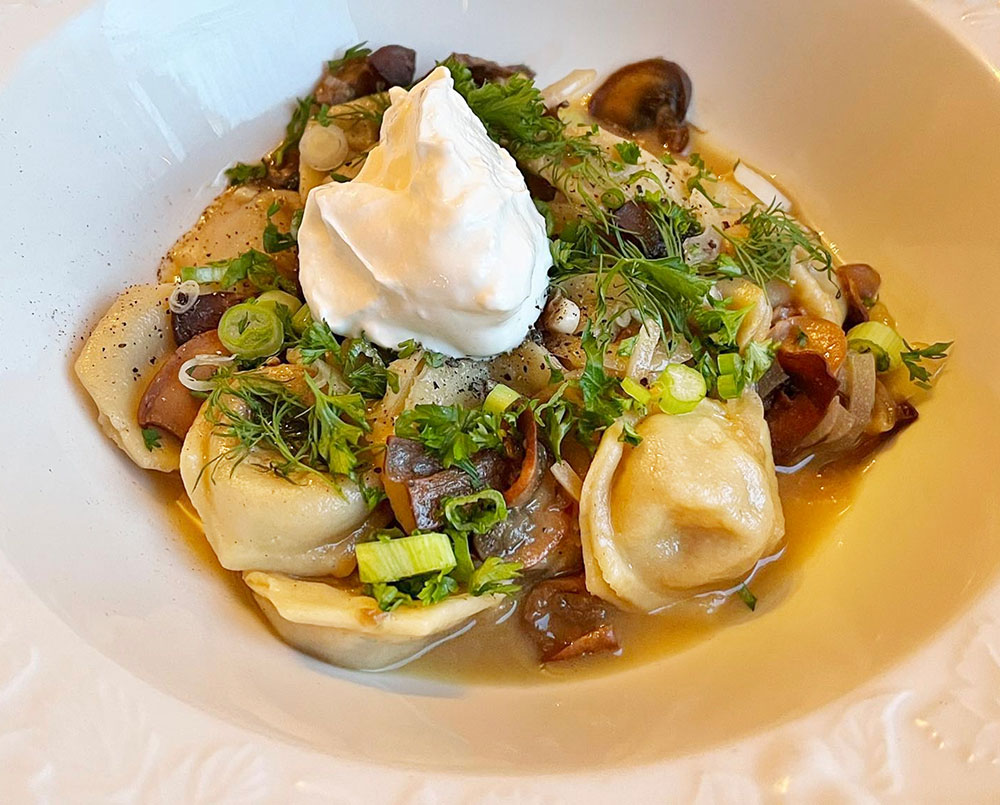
(504, 654)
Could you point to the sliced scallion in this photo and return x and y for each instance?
(636, 391)
(250, 330)
(730, 363)
(881, 340)
(728, 387)
(500, 398)
(203, 274)
(477, 512)
(681, 389)
(275, 298)
(401, 558)
(302, 320)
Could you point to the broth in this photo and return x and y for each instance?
(503, 653)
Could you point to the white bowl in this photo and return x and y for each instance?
(114, 130)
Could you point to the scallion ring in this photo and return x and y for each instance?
(301, 320)
(681, 389)
(250, 330)
(499, 399)
(275, 298)
(881, 340)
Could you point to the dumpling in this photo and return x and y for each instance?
(256, 520)
(695, 504)
(122, 355)
(817, 293)
(230, 225)
(344, 627)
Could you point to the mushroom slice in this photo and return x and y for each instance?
(340, 625)
(647, 95)
(123, 353)
(167, 403)
(257, 519)
(693, 506)
(860, 283)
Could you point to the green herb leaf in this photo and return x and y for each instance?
(294, 130)
(913, 361)
(629, 152)
(703, 174)
(454, 434)
(151, 438)
(771, 239)
(241, 173)
(747, 597)
(353, 53)
(275, 241)
(495, 576)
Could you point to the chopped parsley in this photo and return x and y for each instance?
(454, 434)
(151, 438)
(702, 175)
(294, 130)
(913, 361)
(241, 173)
(253, 266)
(276, 241)
(353, 53)
(629, 152)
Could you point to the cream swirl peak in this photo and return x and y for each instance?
(437, 238)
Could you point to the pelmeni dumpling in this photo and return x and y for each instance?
(118, 361)
(256, 520)
(345, 628)
(695, 504)
(817, 293)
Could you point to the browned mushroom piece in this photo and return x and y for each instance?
(389, 66)
(533, 465)
(811, 352)
(416, 483)
(859, 283)
(566, 621)
(650, 95)
(167, 403)
(203, 315)
(395, 64)
(543, 534)
(484, 70)
(639, 228)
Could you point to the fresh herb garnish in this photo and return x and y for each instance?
(241, 173)
(495, 575)
(629, 152)
(151, 438)
(294, 130)
(764, 241)
(913, 361)
(433, 359)
(275, 241)
(253, 266)
(454, 434)
(353, 53)
(359, 361)
(747, 597)
(702, 175)
(299, 426)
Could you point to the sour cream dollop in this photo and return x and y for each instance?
(436, 239)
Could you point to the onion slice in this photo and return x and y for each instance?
(761, 187)
(568, 479)
(184, 373)
(184, 297)
(567, 88)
